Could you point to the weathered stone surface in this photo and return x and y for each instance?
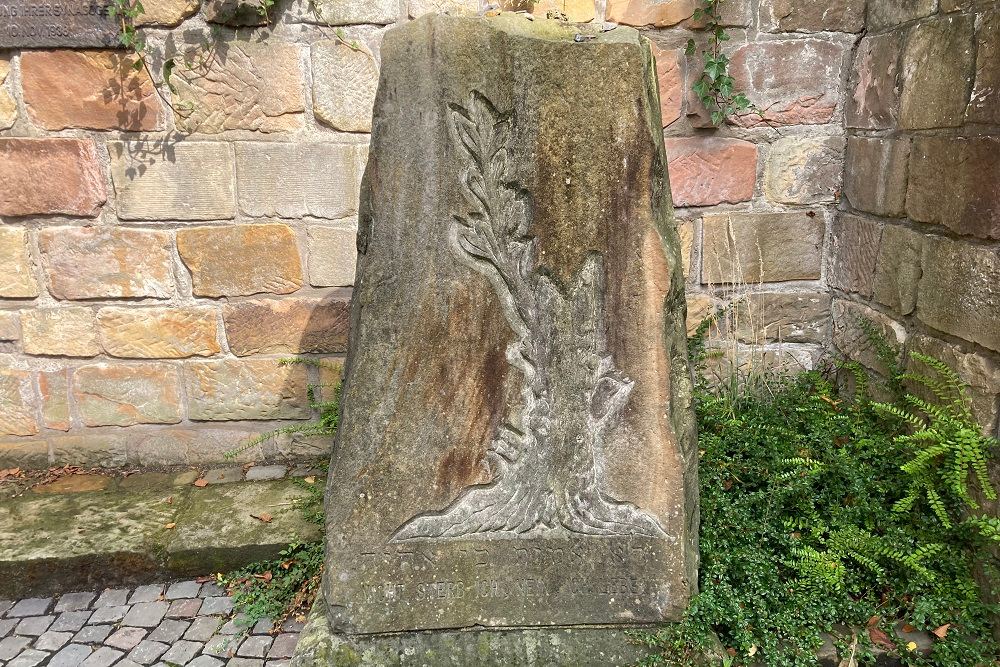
(10, 325)
(959, 290)
(687, 232)
(245, 389)
(575, 11)
(761, 247)
(68, 332)
(23, 453)
(98, 90)
(50, 176)
(166, 12)
(701, 306)
(417, 8)
(350, 12)
(159, 333)
(855, 246)
(875, 174)
(17, 404)
(897, 269)
(812, 15)
(244, 86)
(203, 444)
(804, 170)
(875, 82)
(670, 77)
(16, 279)
(953, 182)
(333, 255)
(984, 103)
(979, 372)
(780, 317)
(241, 260)
(318, 179)
(107, 262)
(89, 449)
(8, 107)
(850, 320)
(937, 72)
(191, 181)
(344, 82)
(282, 326)
(235, 12)
(124, 394)
(53, 386)
(473, 302)
(792, 82)
(712, 170)
(888, 13)
(658, 13)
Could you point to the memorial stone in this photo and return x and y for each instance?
(516, 446)
(57, 23)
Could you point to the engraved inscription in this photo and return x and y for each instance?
(53, 23)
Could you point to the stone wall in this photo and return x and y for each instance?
(157, 260)
(916, 246)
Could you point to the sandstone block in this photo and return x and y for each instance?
(804, 170)
(959, 290)
(887, 13)
(91, 449)
(53, 386)
(10, 326)
(166, 12)
(331, 374)
(953, 182)
(792, 82)
(283, 326)
(159, 333)
(195, 446)
(850, 320)
(897, 269)
(350, 12)
(16, 279)
(50, 176)
(670, 79)
(8, 107)
(196, 181)
(938, 57)
(318, 179)
(417, 8)
(18, 404)
(67, 332)
(658, 13)
(812, 15)
(241, 260)
(780, 317)
(107, 262)
(333, 255)
(344, 83)
(687, 232)
(875, 82)
(97, 90)
(235, 13)
(709, 171)
(28, 454)
(979, 372)
(761, 247)
(575, 11)
(123, 394)
(700, 307)
(245, 86)
(984, 104)
(854, 252)
(227, 389)
(875, 174)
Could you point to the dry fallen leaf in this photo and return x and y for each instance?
(311, 479)
(170, 500)
(267, 576)
(941, 631)
(880, 638)
(169, 526)
(201, 483)
(909, 628)
(873, 621)
(263, 516)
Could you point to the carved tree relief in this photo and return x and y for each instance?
(547, 467)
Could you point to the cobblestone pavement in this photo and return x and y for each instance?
(182, 623)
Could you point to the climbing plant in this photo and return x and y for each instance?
(716, 87)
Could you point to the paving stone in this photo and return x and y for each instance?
(30, 607)
(291, 625)
(34, 625)
(262, 627)
(75, 601)
(277, 663)
(257, 473)
(146, 614)
(221, 646)
(6, 626)
(146, 594)
(205, 661)
(147, 652)
(183, 589)
(217, 605)
(223, 475)
(11, 646)
(168, 631)
(70, 621)
(30, 658)
(4, 606)
(203, 628)
(234, 626)
(109, 614)
(126, 638)
(211, 589)
(102, 657)
(112, 597)
(53, 641)
(71, 656)
(245, 662)
(184, 608)
(93, 634)
(255, 647)
(283, 645)
(180, 652)
(128, 663)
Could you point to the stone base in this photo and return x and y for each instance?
(577, 646)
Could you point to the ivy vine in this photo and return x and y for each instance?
(715, 86)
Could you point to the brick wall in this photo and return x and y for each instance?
(916, 248)
(157, 262)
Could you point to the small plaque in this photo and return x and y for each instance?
(55, 23)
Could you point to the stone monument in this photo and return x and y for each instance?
(514, 477)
